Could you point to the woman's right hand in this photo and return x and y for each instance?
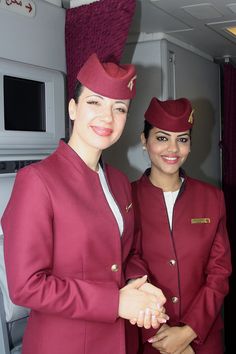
(173, 340)
(188, 350)
(134, 301)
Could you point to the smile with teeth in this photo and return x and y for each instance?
(170, 159)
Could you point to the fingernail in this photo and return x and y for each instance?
(147, 311)
(150, 340)
(162, 320)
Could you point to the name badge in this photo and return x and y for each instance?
(201, 221)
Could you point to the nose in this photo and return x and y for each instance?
(173, 146)
(107, 114)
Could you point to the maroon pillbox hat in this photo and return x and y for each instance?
(170, 115)
(108, 79)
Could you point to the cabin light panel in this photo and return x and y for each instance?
(231, 30)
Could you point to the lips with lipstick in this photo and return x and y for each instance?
(170, 159)
(101, 131)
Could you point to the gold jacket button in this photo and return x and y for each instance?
(172, 262)
(174, 299)
(114, 267)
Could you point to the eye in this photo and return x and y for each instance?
(162, 138)
(121, 110)
(94, 102)
(183, 140)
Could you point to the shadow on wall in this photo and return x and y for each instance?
(197, 164)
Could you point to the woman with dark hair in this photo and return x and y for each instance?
(68, 230)
(184, 238)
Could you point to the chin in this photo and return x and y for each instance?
(107, 144)
(103, 146)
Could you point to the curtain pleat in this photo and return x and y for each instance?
(229, 187)
(100, 27)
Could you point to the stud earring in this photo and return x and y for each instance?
(144, 148)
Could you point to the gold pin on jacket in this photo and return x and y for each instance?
(201, 221)
(128, 207)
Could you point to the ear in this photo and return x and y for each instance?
(72, 109)
(143, 139)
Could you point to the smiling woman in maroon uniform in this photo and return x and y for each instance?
(184, 237)
(68, 230)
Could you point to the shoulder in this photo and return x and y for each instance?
(201, 184)
(203, 188)
(40, 167)
(36, 175)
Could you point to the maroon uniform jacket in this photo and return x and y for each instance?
(191, 263)
(65, 257)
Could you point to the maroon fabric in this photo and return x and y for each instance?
(100, 27)
(229, 187)
(229, 127)
(171, 115)
(108, 79)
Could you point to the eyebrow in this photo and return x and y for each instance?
(121, 102)
(94, 95)
(162, 132)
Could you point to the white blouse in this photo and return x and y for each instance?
(110, 200)
(170, 198)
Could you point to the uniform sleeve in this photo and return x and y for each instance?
(207, 305)
(136, 266)
(28, 249)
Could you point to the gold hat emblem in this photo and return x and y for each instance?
(131, 83)
(190, 119)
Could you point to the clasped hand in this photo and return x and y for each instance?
(142, 303)
(173, 340)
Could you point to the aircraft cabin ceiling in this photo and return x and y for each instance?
(201, 24)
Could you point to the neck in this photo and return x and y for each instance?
(168, 183)
(90, 156)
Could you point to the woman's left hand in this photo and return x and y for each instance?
(173, 340)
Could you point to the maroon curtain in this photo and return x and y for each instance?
(100, 27)
(229, 187)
